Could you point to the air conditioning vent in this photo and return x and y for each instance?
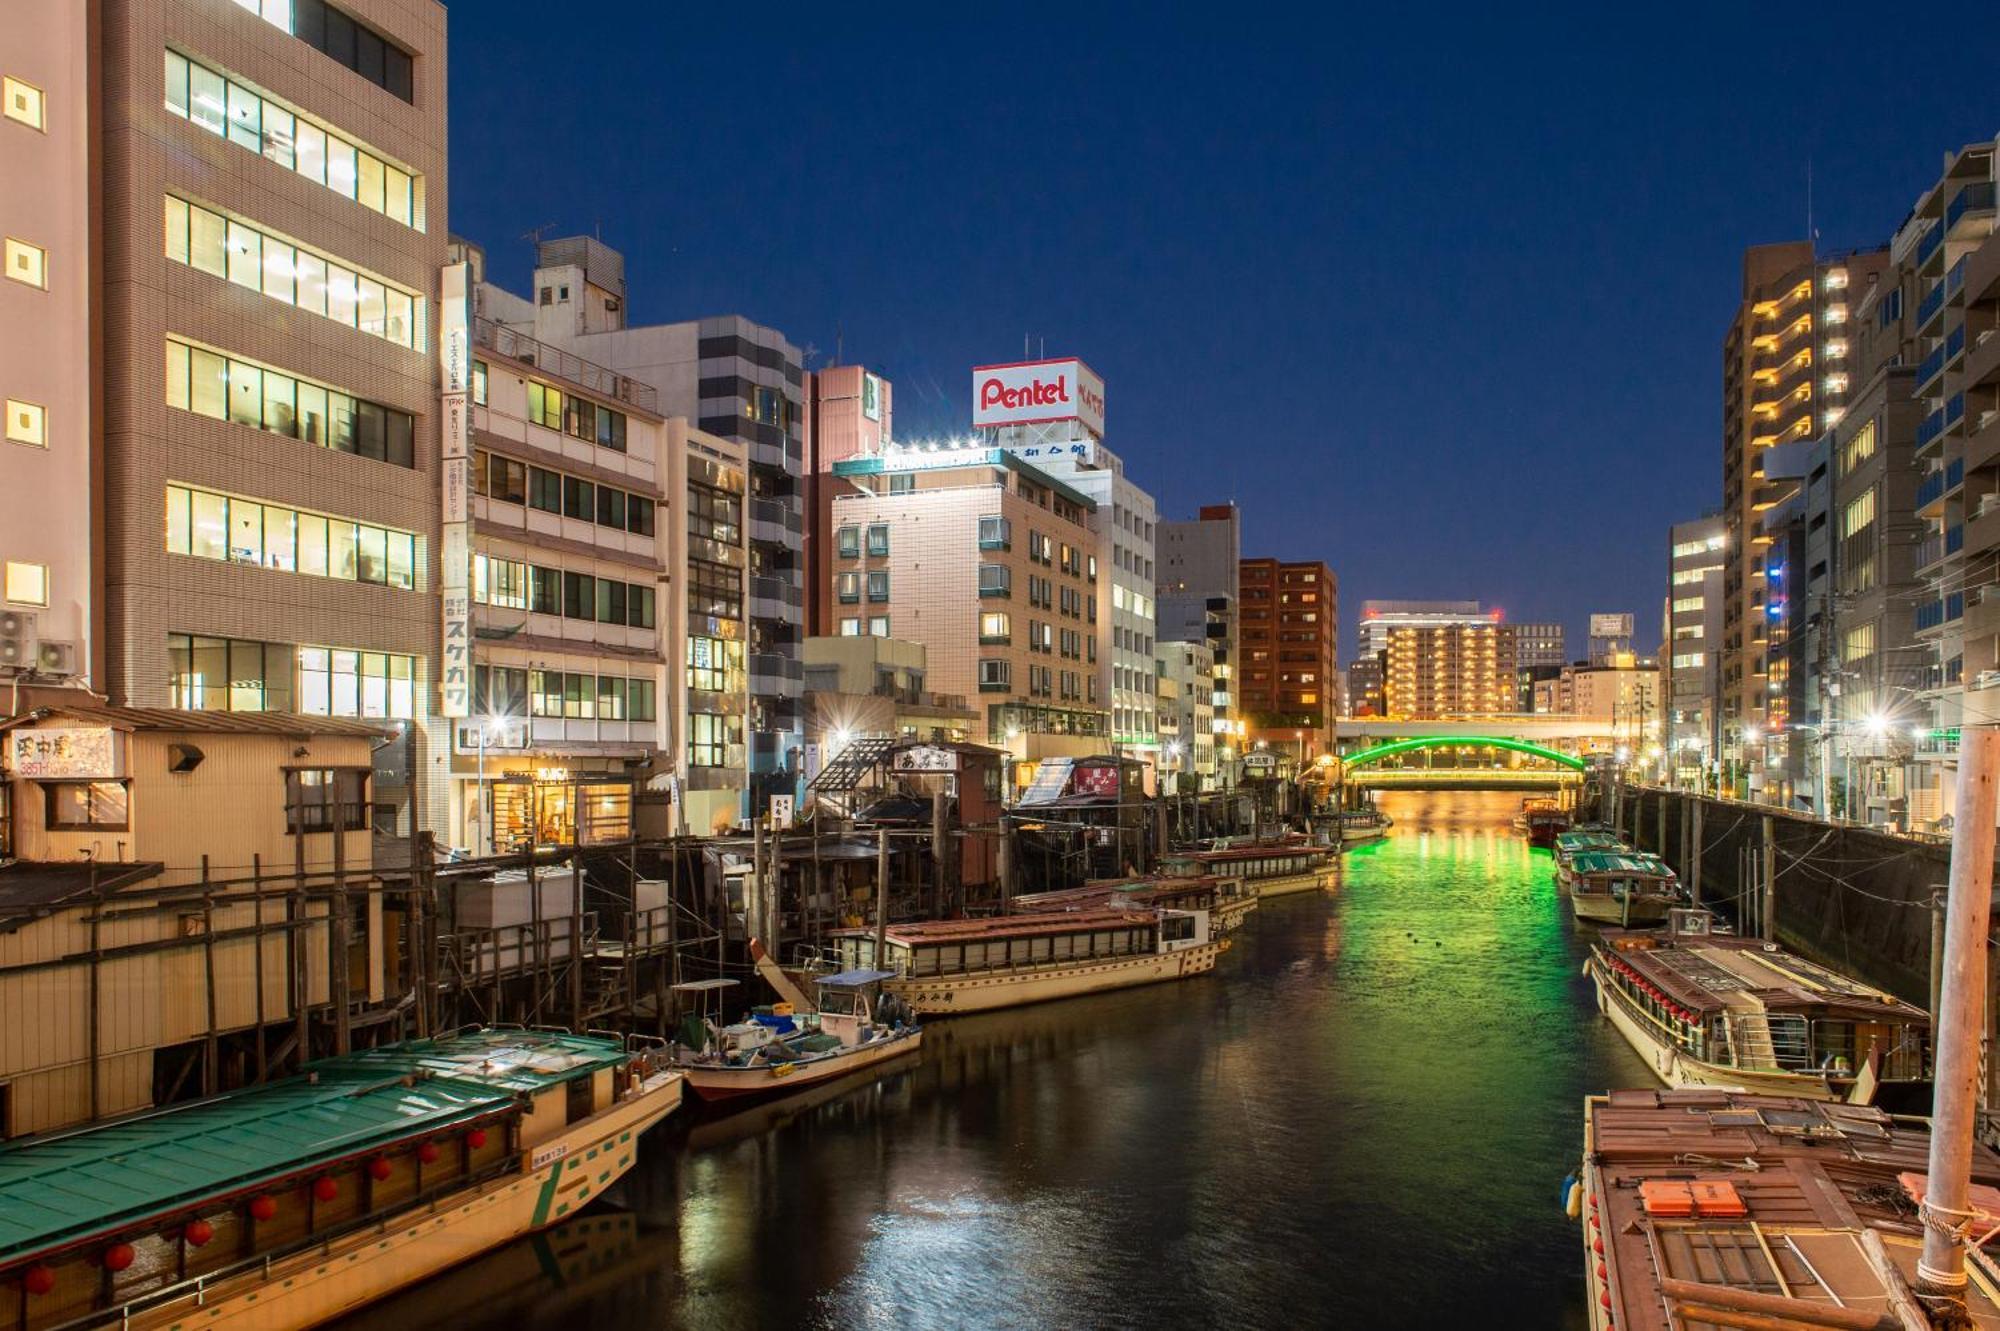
(55, 658)
(17, 639)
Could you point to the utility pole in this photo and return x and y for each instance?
(1769, 873)
(1959, 1022)
(881, 897)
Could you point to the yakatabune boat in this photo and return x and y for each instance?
(1227, 900)
(287, 1204)
(950, 966)
(1544, 820)
(1622, 887)
(1358, 825)
(854, 1026)
(1715, 1010)
(1568, 845)
(1275, 867)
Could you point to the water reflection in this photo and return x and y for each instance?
(1361, 1119)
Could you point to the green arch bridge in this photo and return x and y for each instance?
(1566, 767)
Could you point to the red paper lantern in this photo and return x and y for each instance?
(262, 1208)
(118, 1256)
(1597, 1246)
(39, 1279)
(428, 1153)
(325, 1189)
(378, 1168)
(476, 1138)
(198, 1232)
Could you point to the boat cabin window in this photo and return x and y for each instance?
(1788, 1040)
(1177, 928)
(580, 1103)
(842, 1002)
(1833, 1045)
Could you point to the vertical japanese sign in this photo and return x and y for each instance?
(455, 562)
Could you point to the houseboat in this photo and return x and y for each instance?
(290, 1203)
(1714, 1010)
(1568, 845)
(950, 966)
(1227, 900)
(855, 1026)
(1713, 1208)
(1622, 887)
(1543, 820)
(1358, 825)
(1274, 868)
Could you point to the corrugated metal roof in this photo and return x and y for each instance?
(30, 887)
(65, 1187)
(211, 723)
(1008, 926)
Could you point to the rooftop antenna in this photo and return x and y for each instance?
(534, 235)
(839, 344)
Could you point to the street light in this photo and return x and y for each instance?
(488, 727)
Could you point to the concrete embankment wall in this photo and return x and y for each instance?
(1848, 897)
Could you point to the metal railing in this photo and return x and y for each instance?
(505, 341)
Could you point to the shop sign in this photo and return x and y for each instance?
(1096, 781)
(871, 397)
(56, 754)
(455, 658)
(781, 811)
(1034, 392)
(924, 758)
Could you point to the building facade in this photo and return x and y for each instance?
(849, 413)
(1538, 653)
(1187, 712)
(1199, 591)
(1449, 670)
(1689, 655)
(1785, 378)
(1289, 629)
(1364, 687)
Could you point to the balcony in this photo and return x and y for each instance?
(1929, 306)
(774, 676)
(1969, 205)
(1930, 244)
(774, 522)
(1954, 410)
(504, 341)
(1939, 744)
(1930, 430)
(1954, 538)
(1931, 366)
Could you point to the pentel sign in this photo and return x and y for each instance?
(1036, 392)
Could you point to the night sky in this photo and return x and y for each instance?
(1437, 297)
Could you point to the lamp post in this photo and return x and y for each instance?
(485, 838)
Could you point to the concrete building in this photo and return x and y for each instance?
(1950, 246)
(1289, 628)
(867, 686)
(1199, 590)
(985, 560)
(1187, 712)
(233, 200)
(1364, 687)
(1689, 651)
(730, 378)
(1379, 617)
(1797, 584)
(1784, 378)
(1438, 671)
(849, 413)
(1538, 653)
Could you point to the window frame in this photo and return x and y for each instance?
(55, 823)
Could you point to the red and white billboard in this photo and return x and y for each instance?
(1033, 392)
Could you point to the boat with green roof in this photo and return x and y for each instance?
(289, 1203)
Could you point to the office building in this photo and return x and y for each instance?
(1691, 635)
(1187, 713)
(866, 686)
(1198, 592)
(1379, 617)
(731, 379)
(1288, 626)
(850, 412)
(1538, 653)
(1437, 671)
(1364, 687)
(1784, 378)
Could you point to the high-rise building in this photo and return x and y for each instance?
(1688, 651)
(850, 412)
(228, 196)
(1784, 363)
(732, 379)
(1198, 592)
(1449, 670)
(1288, 627)
(1364, 686)
(1950, 246)
(1187, 711)
(1538, 653)
(1379, 617)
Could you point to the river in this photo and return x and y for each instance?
(1362, 1119)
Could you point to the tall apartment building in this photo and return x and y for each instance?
(1289, 629)
(1379, 617)
(1187, 711)
(1434, 671)
(247, 202)
(849, 413)
(1689, 653)
(1784, 363)
(989, 562)
(1364, 686)
(1199, 590)
(1950, 246)
(734, 380)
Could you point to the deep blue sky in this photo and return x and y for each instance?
(1436, 296)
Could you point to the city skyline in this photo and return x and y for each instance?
(925, 218)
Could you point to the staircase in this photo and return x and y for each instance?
(1750, 1036)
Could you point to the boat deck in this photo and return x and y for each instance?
(1723, 971)
(1753, 1194)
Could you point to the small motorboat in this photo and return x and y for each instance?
(777, 1049)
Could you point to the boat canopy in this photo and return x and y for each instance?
(702, 986)
(65, 1187)
(855, 979)
(1628, 862)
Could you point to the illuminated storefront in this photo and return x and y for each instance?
(559, 806)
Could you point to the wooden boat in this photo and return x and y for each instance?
(855, 1026)
(1358, 825)
(1543, 820)
(1710, 1208)
(947, 966)
(1714, 1010)
(1622, 887)
(1567, 845)
(1276, 868)
(287, 1204)
(1227, 900)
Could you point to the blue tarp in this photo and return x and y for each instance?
(855, 979)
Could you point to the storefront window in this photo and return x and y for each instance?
(103, 806)
(563, 811)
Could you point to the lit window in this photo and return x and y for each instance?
(27, 423)
(1836, 349)
(25, 102)
(27, 263)
(1836, 314)
(27, 584)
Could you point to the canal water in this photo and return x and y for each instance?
(1362, 1119)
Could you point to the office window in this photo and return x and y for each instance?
(335, 682)
(995, 580)
(228, 674)
(847, 542)
(996, 675)
(26, 584)
(479, 375)
(544, 405)
(638, 515)
(878, 626)
(27, 423)
(578, 499)
(995, 534)
(710, 739)
(995, 627)
(847, 586)
(708, 662)
(244, 393)
(1859, 512)
(610, 508)
(878, 586)
(243, 254)
(545, 591)
(347, 40)
(27, 264)
(24, 102)
(850, 627)
(878, 538)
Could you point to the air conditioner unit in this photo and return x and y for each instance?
(1989, 593)
(55, 658)
(17, 639)
(1988, 502)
